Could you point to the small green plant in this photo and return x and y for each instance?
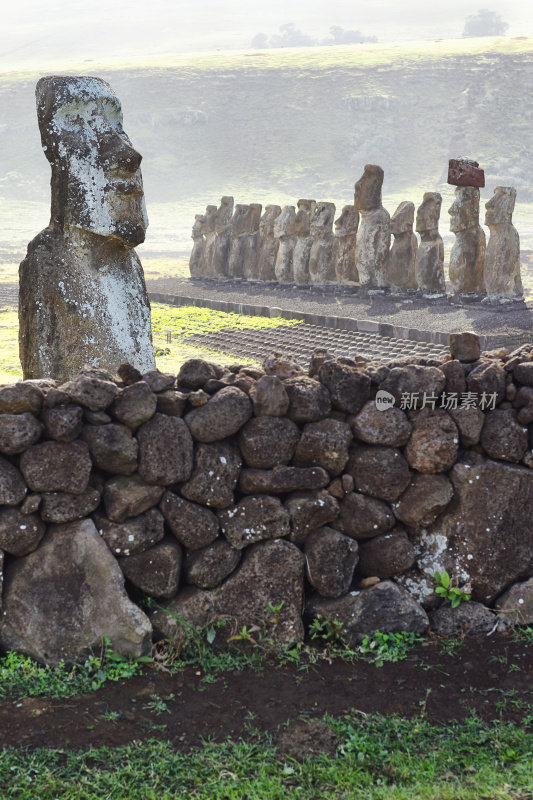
(523, 634)
(444, 588)
(157, 705)
(382, 647)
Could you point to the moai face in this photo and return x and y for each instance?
(464, 211)
(403, 218)
(210, 219)
(322, 219)
(198, 228)
(303, 217)
(285, 223)
(348, 222)
(367, 193)
(500, 207)
(238, 221)
(266, 223)
(224, 214)
(96, 176)
(427, 216)
(254, 215)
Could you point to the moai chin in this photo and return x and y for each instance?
(235, 267)
(206, 262)
(322, 255)
(268, 244)
(252, 241)
(304, 241)
(82, 293)
(468, 252)
(400, 267)
(345, 240)
(429, 264)
(373, 236)
(198, 248)
(284, 230)
(222, 237)
(502, 259)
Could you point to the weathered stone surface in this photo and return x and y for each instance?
(207, 568)
(133, 536)
(281, 365)
(158, 381)
(363, 517)
(414, 379)
(390, 427)
(385, 555)
(502, 259)
(134, 405)
(155, 571)
(195, 606)
(503, 437)
(193, 525)
(400, 265)
(268, 244)
(113, 448)
(194, 373)
(253, 519)
(348, 386)
(239, 229)
(523, 373)
(282, 479)
(465, 346)
(284, 231)
(214, 476)
(96, 417)
(19, 533)
(524, 401)
(515, 606)
(465, 172)
(252, 241)
(63, 507)
(304, 241)
(468, 618)
(434, 441)
(383, 607)
(455, 380)
(429, 264)
(12, 486)
(322, 254)
(129, 496)
(309, 399)
(54, 626)
(345, 240)
(267, 441)
(198, 249)
(63, 423)
(424, 499)
(373, 236)
(222, 416)
(468, 252)
(469, 421)
(269, 397)
(486, 379)
(381, 472)
(330, 561)
(205, 266)
(171, 402)
(19, 398)
(57, 467)
(92, 392)
(324, 444)
(310, 510)
(31, 503)
(219, 263)
(18, 432)
(165, 450)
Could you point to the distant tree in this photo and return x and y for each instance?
(291, 36)
(485, 23)
(341, 36)
(260, 41)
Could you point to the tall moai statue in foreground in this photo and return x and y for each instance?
(198, 248)
(222, 237)
(468, 252)
(82, 295)
(322, 255)
(502, 259)
(345, 240)
(268, 244)
(206, 262)
(373, 237)
(235, 265)
(304, 241)
(252, 242)
(429, 264)
(284, 230)
(400, 267)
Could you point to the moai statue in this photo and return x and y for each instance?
(304, 241)
(252, 241)
(268, 244)
(400, 268)
(468, 252)
(223, 237)
(373, 236)
(235, 266)
(206, 263)
(198, 248)
(502, 259)
(82, 296)
(345, 240)
(284, 231)
(429, 264)
(322, 256)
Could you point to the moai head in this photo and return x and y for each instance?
(198, 229)
(464, 211)
(224, 214)
(266, 223)
(210, 219)
(285, 223)
(403, 218)
(367, 194)
(96, 177)
(348, 222)
(500, 207)
(427, 216)
(254, 215)
(303, 217)
(238, 221)
(322, 219)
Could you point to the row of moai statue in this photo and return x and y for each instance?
(299, 246)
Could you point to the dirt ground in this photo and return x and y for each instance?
(488, 676)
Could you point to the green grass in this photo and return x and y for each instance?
(10, 368)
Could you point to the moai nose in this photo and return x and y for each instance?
(118, 154)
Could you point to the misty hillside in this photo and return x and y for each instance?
(271, 126)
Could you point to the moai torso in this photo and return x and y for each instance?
(502, 259)
(345, 240)
(429, 264)
(373, 237)
(284, 231)
(82, 296)
(468, 252)
(252, 241)
(322, 255)
(235, 268)
(400, 268)
(304, 241)
(198, 248)
(223, 237)
(268, 244)
(210, 242)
